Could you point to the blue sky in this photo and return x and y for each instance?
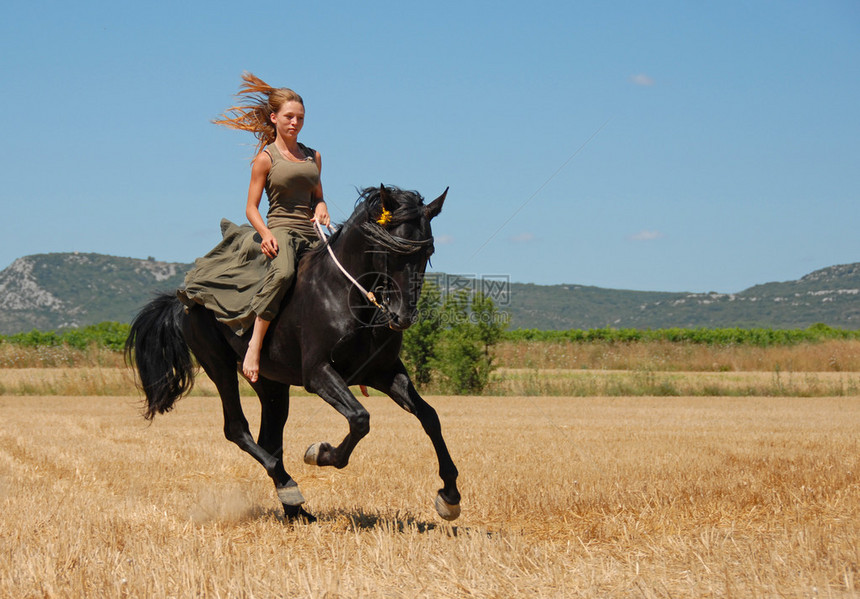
(674, 146)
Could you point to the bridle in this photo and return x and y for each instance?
(381, 236)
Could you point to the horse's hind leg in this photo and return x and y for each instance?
(275, 408)
(219, 362)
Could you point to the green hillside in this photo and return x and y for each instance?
(830, 295)
(57, 291)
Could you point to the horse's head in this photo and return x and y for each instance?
(396, 226)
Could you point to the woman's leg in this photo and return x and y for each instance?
(251, 363)
(279, 277)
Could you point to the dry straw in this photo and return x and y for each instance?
(563, 497)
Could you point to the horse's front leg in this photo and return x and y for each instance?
(399, 387)
(328, 384)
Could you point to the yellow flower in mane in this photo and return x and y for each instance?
(384, 218)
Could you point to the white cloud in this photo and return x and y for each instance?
(645, 235)
(443, 239)
(523, 238)
(642, 79)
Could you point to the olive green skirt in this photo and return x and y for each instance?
(237, 282)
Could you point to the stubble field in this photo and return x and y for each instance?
(562, 497)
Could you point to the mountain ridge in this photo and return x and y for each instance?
(68, 290)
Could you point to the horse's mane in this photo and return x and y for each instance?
(409, 204)
(368, 208)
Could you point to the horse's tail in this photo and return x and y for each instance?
(157, 347)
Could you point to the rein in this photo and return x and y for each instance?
(368, 294)
(376, 233)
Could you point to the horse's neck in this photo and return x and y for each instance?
(350, 249)
(346, 251)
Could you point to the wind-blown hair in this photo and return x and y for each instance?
(258, 100)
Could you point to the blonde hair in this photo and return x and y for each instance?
(258, 101)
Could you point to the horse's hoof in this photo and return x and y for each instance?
(296, 513)
(446, 510)
(312, 454)
(291, 495)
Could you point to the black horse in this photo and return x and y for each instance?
(326, 337)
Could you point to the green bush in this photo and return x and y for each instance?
(724, 336)
(419, 340)
(108, 335)
(451, 343)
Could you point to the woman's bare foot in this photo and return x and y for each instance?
(251, 364)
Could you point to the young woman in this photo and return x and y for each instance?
(244, 279)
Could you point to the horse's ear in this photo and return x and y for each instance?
(388, 202)
(387, 206)
(435, 207)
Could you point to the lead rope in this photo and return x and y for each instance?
(368, 294)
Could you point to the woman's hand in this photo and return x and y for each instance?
(321, 215)
(269, 245)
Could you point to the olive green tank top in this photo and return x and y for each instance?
(289, 188)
